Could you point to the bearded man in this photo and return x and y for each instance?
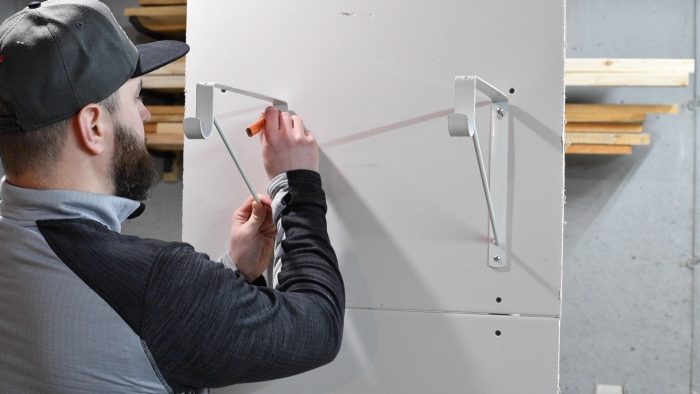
(85, 309)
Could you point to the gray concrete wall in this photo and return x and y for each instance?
(627, 291)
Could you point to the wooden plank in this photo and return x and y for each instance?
(167, 136)
(615, 112)
(166, 114)
(630, 65)
(161, 11)
(166, 109)
(608, 138)
(165, 142)
(175, 31)
(175, 127)
(604, 127)
(167, 118)
(626, 79)
(175, 68)
(628, 72)
(161, 22)
(598, 150)
(163, 26)
(171, 128)
(163, 82)
(162, 2)
(150, 128)
(170, 21)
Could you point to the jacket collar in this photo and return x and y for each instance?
(29, 205)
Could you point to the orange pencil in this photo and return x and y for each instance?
(256, 127)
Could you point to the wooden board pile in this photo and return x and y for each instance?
(160, 18)
(165, 131)
(167, 78)
(163, 19)
(613, 129)
(608, 129)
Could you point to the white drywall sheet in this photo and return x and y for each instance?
(407, 215)
(416, 352)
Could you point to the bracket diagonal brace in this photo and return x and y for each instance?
(462, 123)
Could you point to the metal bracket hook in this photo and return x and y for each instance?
(201, 125)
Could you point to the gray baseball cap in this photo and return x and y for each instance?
(57, 56)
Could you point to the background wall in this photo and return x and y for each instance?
(627, 299)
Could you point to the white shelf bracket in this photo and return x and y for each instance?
(462, 123)
(200, 127)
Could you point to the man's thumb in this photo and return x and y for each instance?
(257, 217)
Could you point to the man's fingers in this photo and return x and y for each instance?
(285, 121)
(265, 199)
(299, 128)
(243, 212)
(259, 213)
(271, 119)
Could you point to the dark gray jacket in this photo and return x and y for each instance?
(84, 309)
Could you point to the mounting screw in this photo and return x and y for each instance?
(500, 113)
(497, 258)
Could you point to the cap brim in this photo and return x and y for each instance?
(155, 55)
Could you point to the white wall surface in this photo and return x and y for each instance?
(407, 215)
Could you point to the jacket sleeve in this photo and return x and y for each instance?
(202, 324)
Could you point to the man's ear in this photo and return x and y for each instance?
(92, 124)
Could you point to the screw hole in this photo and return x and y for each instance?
(79, 24)
(498, 333)
(498, 300)
(512, 90)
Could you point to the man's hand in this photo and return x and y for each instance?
(286, 143)
(252, 237)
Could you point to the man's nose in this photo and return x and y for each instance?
(145, 114)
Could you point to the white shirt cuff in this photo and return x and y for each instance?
(228, 263)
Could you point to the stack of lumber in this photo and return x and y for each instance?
(608, 129)
(164, 19)
(160, 18)
(169, 77)
(628, 72)
(165, 131)
(613, 129)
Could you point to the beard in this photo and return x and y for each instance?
(133, 169)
